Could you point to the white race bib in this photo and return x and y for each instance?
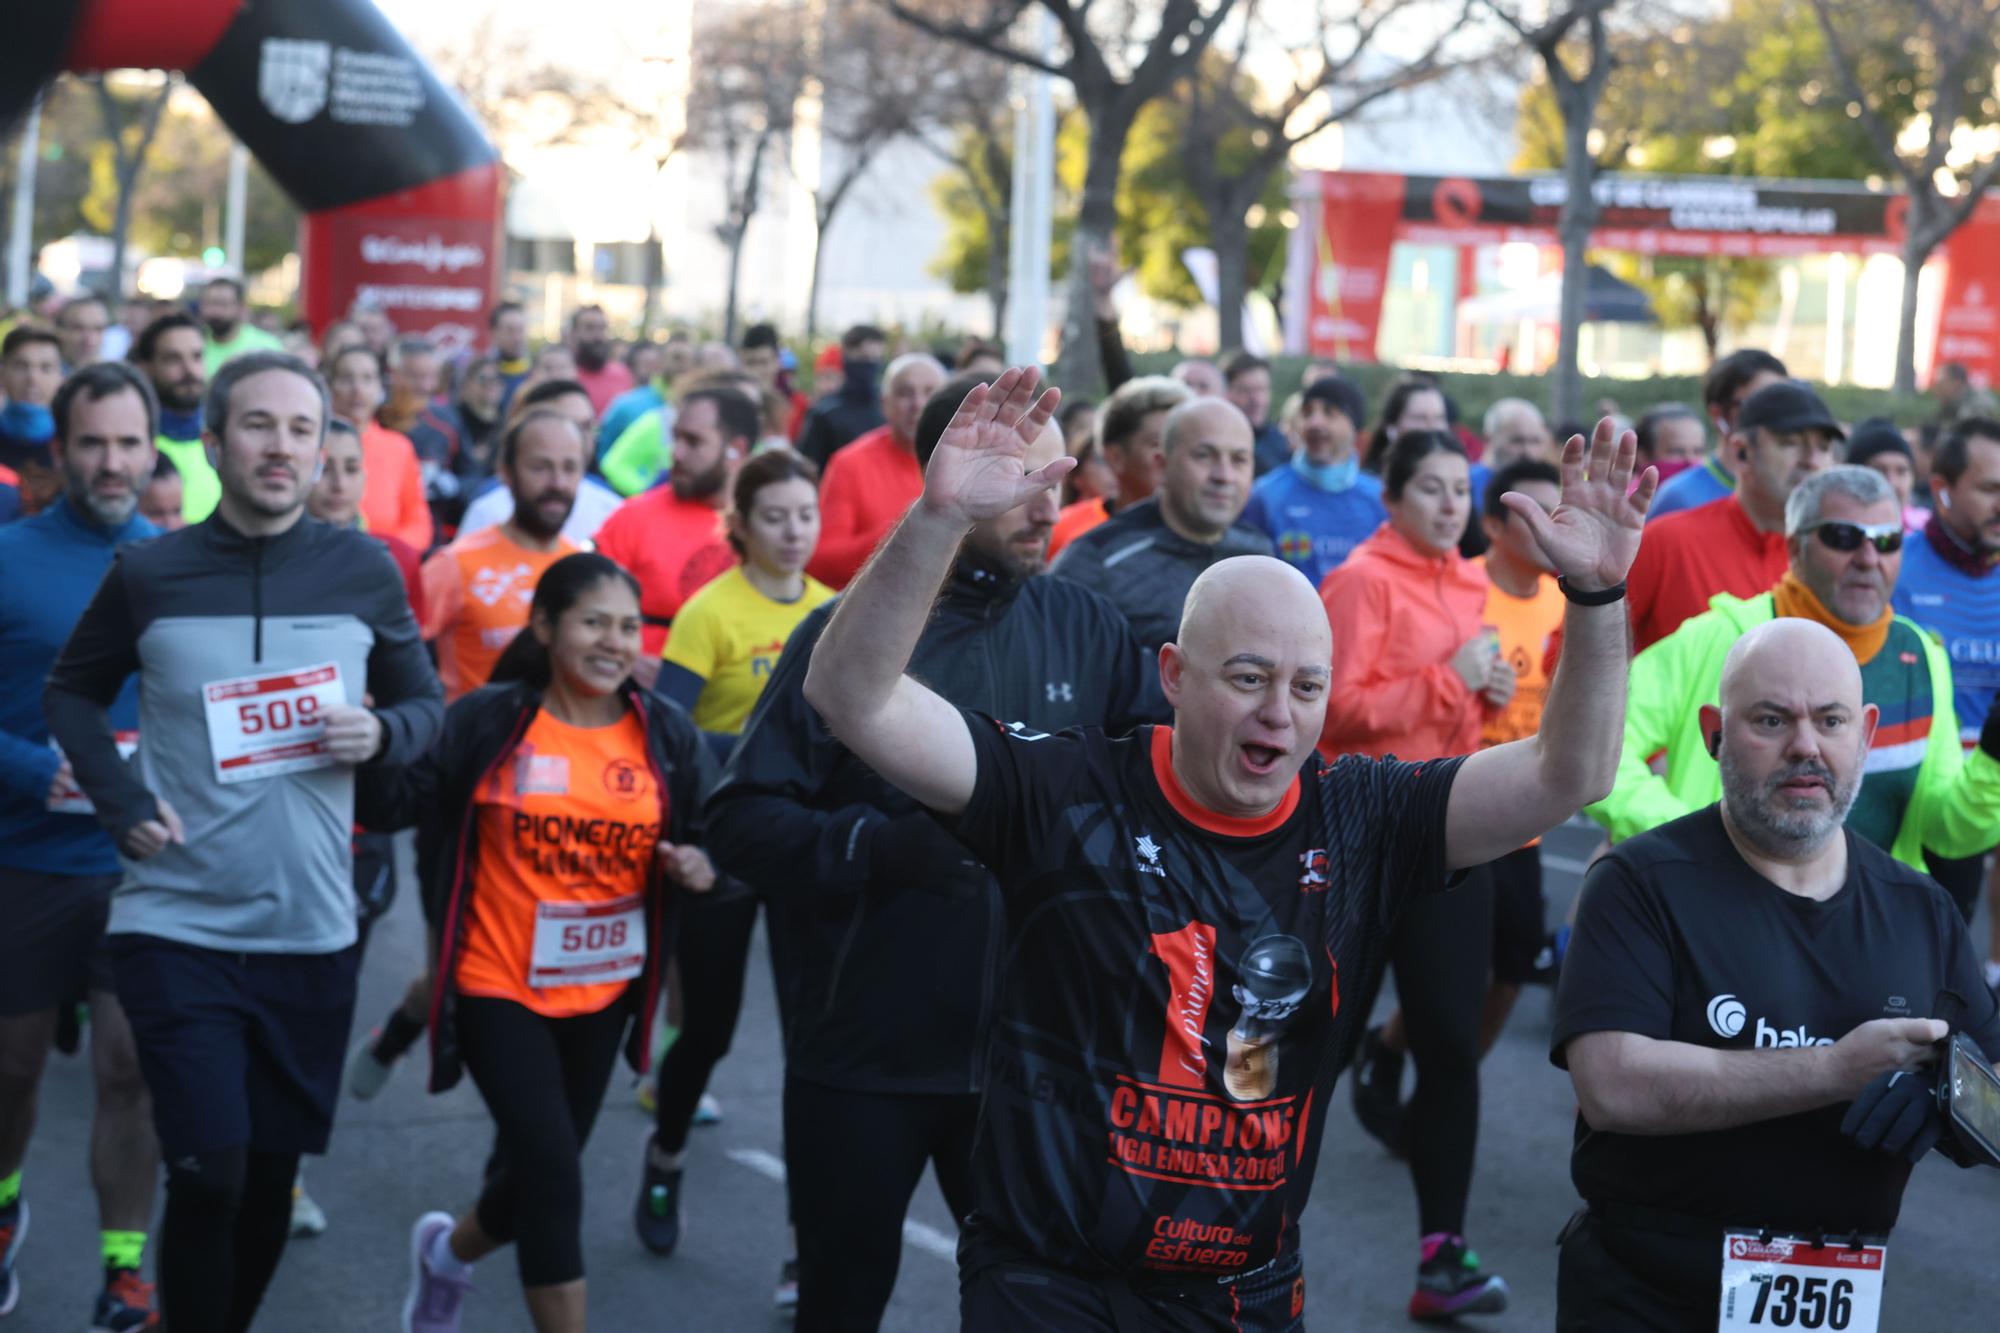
(1787, 1283)
(581, 944)
(264, 726)
(68, 798)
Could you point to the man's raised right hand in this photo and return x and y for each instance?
(977, 470)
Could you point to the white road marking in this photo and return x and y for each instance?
(916, 1235)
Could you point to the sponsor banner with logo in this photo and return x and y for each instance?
(431, 276)
(1341, 252)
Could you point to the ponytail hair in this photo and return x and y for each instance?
(561, 586)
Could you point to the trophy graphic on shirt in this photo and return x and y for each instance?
(1273, 979)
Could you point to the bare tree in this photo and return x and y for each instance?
(129, 130)
(1914, 85)
(1574, 48)
(523, 100)
(878, 84)
(1235, 138)
(747, 76)
(1120, 57)
(973, 108)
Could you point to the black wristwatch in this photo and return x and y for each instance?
(1602, 597)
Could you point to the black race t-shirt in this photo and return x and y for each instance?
(1179, 990)
(1678, 939)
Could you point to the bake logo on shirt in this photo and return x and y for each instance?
(1896, 1004)
(625, 779)
(1727, 1017)
(492, 584)
(540, 774)
(1060, 692)
(1313, 878)
(1021, 731)
(1147, 854)
(1295, 546)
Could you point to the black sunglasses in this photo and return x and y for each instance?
(1887, 538)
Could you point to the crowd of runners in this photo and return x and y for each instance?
(1090, 764)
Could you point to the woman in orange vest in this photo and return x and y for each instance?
(574, 797)
(1414, 675)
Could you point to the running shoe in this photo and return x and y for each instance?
(367, 1075)
(786, 1298)
(125, 1305)
(1549, 960)
(1378, 1094)
(13, 1230)
(308, 1218)
(708, 1111)
(1451, 1283)
(435, 1299)
(657, 1215)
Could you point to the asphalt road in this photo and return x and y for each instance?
(404, 1153)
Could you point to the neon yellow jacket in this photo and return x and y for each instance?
(1954, 810)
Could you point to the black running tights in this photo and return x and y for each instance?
(713, 949)
(853, 1160)
(228, 1215)
(1442, 955)
(543, 1079)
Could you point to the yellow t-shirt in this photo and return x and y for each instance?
(730, 635)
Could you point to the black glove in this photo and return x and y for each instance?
(1896, 1114)
(914, 851)
(1989, 734)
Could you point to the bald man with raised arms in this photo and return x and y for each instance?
(1749, 997)
(1188, 906)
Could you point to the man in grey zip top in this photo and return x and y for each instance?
(275, 656)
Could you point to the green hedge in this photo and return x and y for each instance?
(1475, 393)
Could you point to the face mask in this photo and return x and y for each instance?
(1334, 477)
(27, 421)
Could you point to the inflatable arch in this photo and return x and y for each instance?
(400, 188)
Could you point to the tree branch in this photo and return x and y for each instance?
(986, 39)
(1879, 133)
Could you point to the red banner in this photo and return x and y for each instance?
(1969, 316)
(428, 258)
(1360, 213)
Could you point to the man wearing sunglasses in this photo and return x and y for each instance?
(1845, 547)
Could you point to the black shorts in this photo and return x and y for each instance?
(1517, 914)
(1001, 1290)
(51, 945)
(1612, 1278)
(238, 1050)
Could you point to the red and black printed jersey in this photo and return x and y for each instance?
(1173, 1006)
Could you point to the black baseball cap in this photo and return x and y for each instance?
(1787, 405)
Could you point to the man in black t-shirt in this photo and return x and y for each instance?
(1736, 979)
(1188, 908)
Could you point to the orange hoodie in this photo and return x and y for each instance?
(1398, 615)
